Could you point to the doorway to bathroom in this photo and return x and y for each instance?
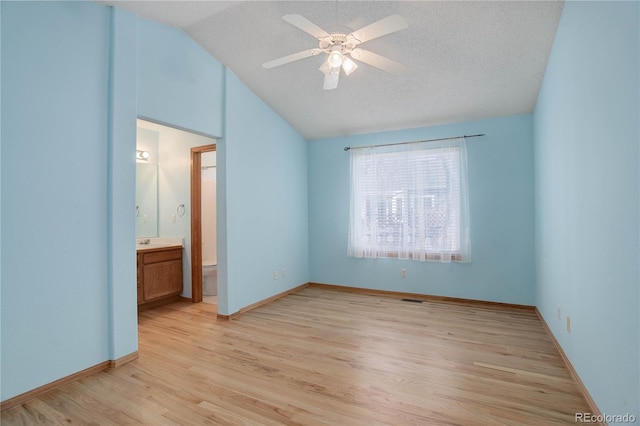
(203, 225)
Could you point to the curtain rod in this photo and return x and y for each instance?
(347, 148)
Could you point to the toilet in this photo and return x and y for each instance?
(209, 278)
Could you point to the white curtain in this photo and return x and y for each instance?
(410, 201)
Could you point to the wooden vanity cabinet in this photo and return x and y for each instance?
(159, 276)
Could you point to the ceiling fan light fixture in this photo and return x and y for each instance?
(349, 66)
(335, 59)
(325, 68)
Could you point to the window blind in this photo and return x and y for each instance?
(410, 201)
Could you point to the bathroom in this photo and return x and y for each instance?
(163, 199)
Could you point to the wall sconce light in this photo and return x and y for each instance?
(142, 155)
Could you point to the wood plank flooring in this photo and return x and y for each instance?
(324, 357)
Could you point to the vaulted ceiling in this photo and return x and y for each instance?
(464, 60)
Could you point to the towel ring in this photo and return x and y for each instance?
(181, 210)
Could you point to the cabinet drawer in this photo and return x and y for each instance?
(162, 256)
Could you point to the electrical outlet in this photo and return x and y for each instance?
(403, 273)
(568, 325)
(559, 315)
(275, 275)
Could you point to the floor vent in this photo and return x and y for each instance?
(412, 300)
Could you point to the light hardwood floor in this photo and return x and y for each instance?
(320, 356)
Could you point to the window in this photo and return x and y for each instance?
(410, 201)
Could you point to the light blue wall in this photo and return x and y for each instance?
(0, 199)
(59, 212)
(262, 166)
(179, 83)
(123, 309)
(501, 200)
(587, 197)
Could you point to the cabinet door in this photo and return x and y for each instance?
(162, 279)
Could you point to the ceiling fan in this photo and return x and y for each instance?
(341, 49)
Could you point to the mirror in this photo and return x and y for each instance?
(146, 200)
(146, 182)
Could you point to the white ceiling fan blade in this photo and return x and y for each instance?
(373, 59)
(380, 28)
(305, 25)
(291, 58)
(331, 79)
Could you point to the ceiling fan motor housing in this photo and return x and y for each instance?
(343, 41)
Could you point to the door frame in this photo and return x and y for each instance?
(196, 220)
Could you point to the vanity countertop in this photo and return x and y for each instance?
(158, 243)
(149, 247)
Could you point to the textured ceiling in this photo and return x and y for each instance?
(465, 60)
